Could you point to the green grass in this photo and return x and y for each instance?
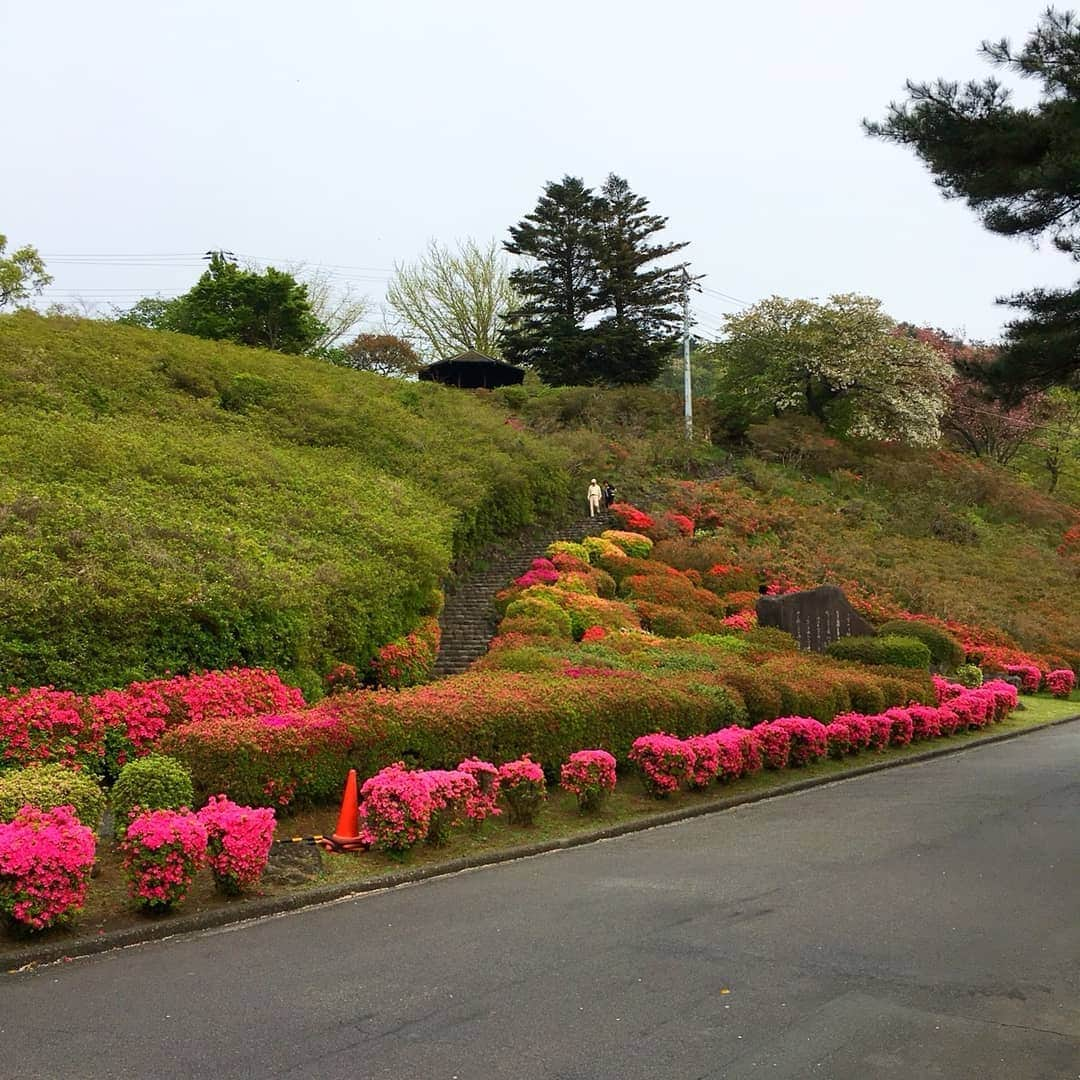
(169, 503)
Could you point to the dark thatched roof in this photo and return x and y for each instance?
(472, 371)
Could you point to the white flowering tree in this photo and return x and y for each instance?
(844, 362)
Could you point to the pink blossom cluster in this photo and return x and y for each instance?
(45, 861)
(395, 808)
(1030, 676)
(741, 620)
(523, 787)
(665, 762)
(1061, 682)
(140, 710)
(541, 572)
(162, 851)
(450, 791)
(706, 766)
(45, 724)
(808, 741)
(484, 801)
(590, 775)
(238, 840)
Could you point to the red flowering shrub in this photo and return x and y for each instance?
(162, 850)
(483, 801)
(342, 677)
(632, 518)
(808, 739)
(45, 862)
(775, 745)
(664, 761)
(221, 695)
(395, 808)
(522, 785)
(1030, 676)
(681, 522)
(47, 725)
(238, 843)
(594, 633)
(590, 775)
(132, 719)
(408, 660)
(1061, 682)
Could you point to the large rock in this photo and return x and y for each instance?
(815, 617)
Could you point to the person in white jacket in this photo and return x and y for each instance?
(595, 495)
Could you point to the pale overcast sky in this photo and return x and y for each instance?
(347, 134)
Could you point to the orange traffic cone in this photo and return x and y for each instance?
(347, 834)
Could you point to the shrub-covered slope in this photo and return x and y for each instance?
(169, 503)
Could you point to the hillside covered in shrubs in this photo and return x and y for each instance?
(169, 503)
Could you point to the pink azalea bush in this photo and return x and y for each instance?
(49, 725)
(739, 751)
(706, 766)
(524, 789)
(541, 572)
(238, 842)
(45, 862)
(809, 741)
(1061, 682)
(483, 802)
(395, 808)
(775, 744)
(450, 791)
(664, 762)
(1029, 675)
(162, 851)
(590, 775)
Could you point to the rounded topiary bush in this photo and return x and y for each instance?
(49, 786)
(155, 782)
(969, 675)
(895, 650)
(945, 651)
(537, 616)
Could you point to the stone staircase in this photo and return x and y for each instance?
(469, 617)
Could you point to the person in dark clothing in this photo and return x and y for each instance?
(609, 494)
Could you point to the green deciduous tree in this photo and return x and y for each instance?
(22, 273)
(595, 307)
(844, 362)
(454, 301)
(1019, 169)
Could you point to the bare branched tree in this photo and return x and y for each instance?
(453, 301)
(334, 303)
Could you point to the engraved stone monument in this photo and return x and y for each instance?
(814, 618)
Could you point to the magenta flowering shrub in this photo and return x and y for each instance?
(484, 800)
(45, 862)
(775, 744)
(706, 766)
(524, 789)
(925, 722)
(139, 714)
(238, 840)
(1061, 682)
(946, 689)
(1030, 676)
(1006, 697)
(809, 741)
(739, 752)
(49, 725)
(395, 808)
(590, 775)
(541, 572)
(162, 851)
(450, 791)
(664, 761)
(902, 726)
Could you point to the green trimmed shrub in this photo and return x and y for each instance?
(946, 652)
(568, 547)
(969, 675)
(729, 643)
(534, 615)
(893, 649)
(772, 638)
(634, 544)
(154, 782)
(49, 786)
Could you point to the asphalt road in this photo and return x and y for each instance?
(920, 922)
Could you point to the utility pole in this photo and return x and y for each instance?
(688, 393)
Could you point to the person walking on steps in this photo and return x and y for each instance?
(595, 495)
(609, 495)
